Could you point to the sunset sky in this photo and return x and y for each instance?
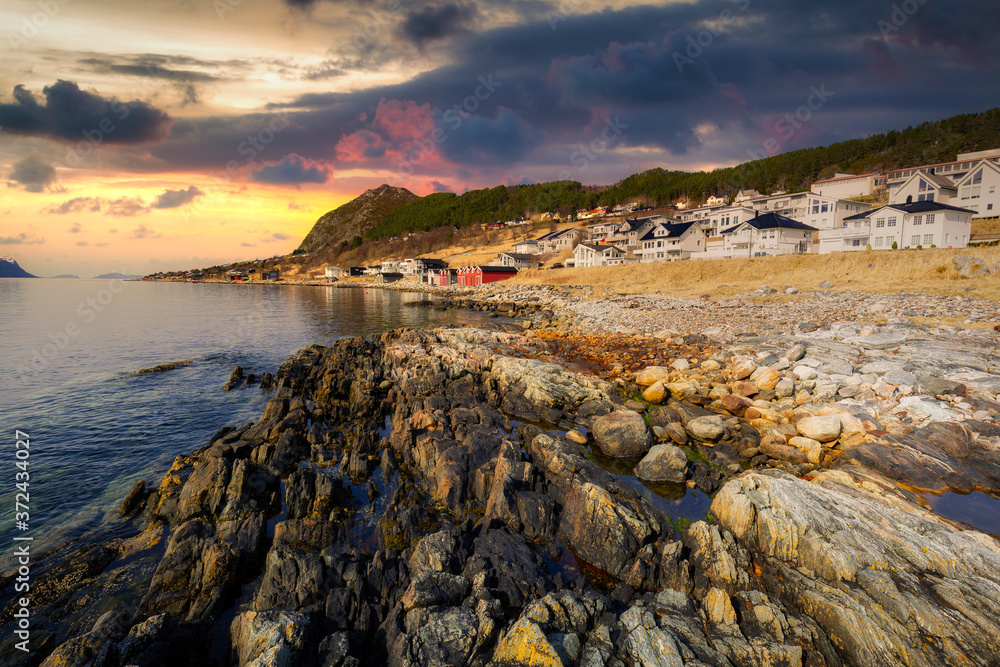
(158, 135)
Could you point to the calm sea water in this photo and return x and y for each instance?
(68, 355)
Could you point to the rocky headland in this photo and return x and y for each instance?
(496, 497)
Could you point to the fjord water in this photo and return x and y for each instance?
(96, 427)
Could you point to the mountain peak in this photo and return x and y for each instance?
(9, 268)
(355, 217)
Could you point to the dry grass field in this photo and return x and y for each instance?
(930, 270)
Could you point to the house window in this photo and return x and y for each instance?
(878, 241)
(918, 219)
(978, 177)
(915, 239)
(880, 223)
(892, 222)
(930, 196)
(923, 185)
(826, 208)
(989, 207)
(856, 243)
(928, 239)
(930, 218)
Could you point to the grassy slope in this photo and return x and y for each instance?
(930, 270)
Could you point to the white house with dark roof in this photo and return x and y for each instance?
(667, 242)
(763, 236)
(979, 190)
(925, 224)
(596, 254)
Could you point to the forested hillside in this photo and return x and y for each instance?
(795, 171)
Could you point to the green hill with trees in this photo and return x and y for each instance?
(794, 171)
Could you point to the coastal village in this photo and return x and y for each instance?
(673, 465)
(926, 206)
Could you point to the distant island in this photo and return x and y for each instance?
(9, 268)
(116, 276)
(66, 275)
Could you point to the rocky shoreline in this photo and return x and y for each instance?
(480, 497)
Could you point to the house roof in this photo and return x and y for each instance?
(674, 230)
(983, 163)
(520, 256)
(771, 221)
(597, 247)
(915, 207)
(844, 178)
(495, 269)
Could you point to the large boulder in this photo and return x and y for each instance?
(622, 434)
(706, 429)
(887, 582)
(663, 463)
(823, 428)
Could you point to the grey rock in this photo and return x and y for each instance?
(663, 463)
(899, 377)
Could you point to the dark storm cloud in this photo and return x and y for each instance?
(502, 140)
(71, 114)
(33, 173)
(686, 78)
(435, 22)
(175, 198)
(151, 68)
(292, 170)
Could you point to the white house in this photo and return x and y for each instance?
(629, 232)
(762, 236)
(671, 241)
(596, 254)
(601, 230)
(331, 273)
(716, 201)
(953, 171)
(746, 195)
(560, 240)
(517, 260)
(979, 190)
(528, 247)
(926, 224)
(842, 186)
(924, 186)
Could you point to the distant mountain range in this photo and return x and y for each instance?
(9, 268)
(116, 276)
(66, 275)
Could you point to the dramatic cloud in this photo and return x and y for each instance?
(143, 232)
(76, 205)
(34, 173)
(21, 239)
(430, 23)
(279, 236)
(71, 114)
(175, 198)
(127, 207)
(76, 228)
(293, 169)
